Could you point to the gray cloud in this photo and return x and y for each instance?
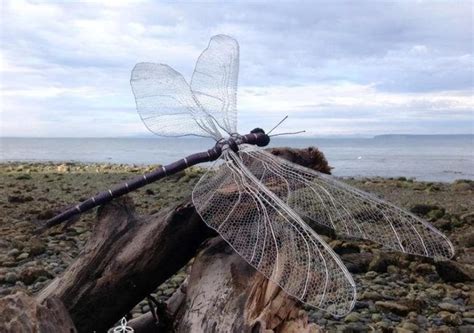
(71, 62)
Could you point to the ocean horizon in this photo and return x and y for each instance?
(442, 158)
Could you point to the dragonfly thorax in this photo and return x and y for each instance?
(256, 137)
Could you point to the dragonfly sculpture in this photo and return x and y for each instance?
(257, 201)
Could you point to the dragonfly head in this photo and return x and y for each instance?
(263, 140)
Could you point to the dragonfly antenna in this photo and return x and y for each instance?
(278, 124)
(288, 133)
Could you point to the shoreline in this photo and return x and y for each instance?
(80, 166)
(388, 282)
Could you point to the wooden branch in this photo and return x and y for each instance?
(125, 260)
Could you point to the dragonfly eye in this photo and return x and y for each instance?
(263, 139)
(257, 130)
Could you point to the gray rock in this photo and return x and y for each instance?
(403, 330)
(435, 293)
(394, 307)
(468, 314)
(322, 322)
(168, 292)
(410, 326)
(376, 317)
(13, 252)
(422, 320)
(352, 317)
(3, 258)
(177, 280)
(3, 244)
(372, 295)
(23, 256)
(467, 239)
(384, 325)
(451, 271)
(391, 269)
(355, 328)
(436, 214)
(37, 248)
(468, 321)
(394, 317)
(11, 277)
(361, 305)
(57, 270)
(467, 218)
(449, 307)
(9, 264)
(450, 318)
(466, 329)
(31, 274)
(20, 284)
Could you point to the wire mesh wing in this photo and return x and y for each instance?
(214, 80)
(166, 104)
(272, 238)
(349, 211)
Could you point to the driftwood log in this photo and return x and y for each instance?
(127, 257)
(225, 294)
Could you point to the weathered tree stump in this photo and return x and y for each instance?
(225, 294)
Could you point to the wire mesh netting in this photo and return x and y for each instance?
(169, 106)
(349, 211)
(272, 238)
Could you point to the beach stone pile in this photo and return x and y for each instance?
(396, 292)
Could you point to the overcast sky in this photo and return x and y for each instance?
(352, 68)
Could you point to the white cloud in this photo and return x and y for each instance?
(348, 108)
(380, 67)
(310, 98)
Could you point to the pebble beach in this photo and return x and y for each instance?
(396, 292)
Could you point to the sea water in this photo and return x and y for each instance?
(430, 158)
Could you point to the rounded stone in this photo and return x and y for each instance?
(449, 307)
(23, 256)
(410, 326)
(11, 277)
(450, 318)
(352, 317)
(13, 252)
